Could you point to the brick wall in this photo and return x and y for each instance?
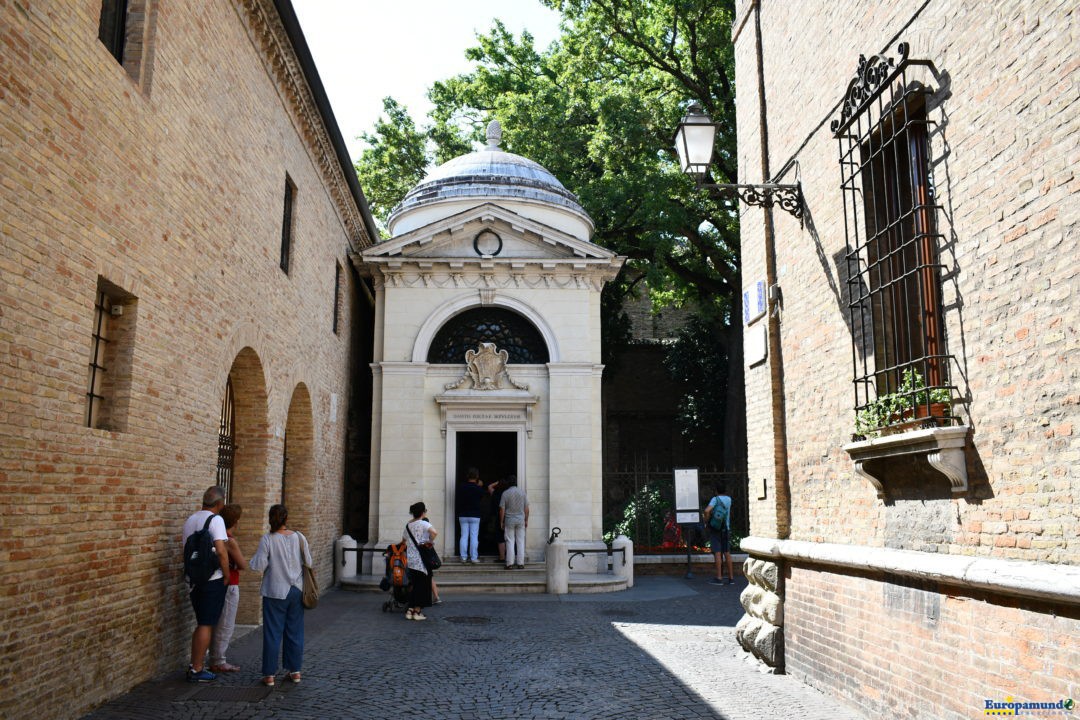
(1003, 167)
(1003, 149)
(898, 648)
(170, 188)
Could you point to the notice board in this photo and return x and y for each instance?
(687, 504)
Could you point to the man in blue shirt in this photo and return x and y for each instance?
(718, 520)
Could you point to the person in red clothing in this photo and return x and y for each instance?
(223, 631)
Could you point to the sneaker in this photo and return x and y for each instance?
(419, 616)
(224, 668)
(295, 677)
(201, 676)
(716, 581)
(730, 581)
(408, 614)
(519, 567)
(437, 602)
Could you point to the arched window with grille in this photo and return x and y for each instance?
(508, 330)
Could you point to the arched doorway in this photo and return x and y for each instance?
(245, 398)
(298, 463)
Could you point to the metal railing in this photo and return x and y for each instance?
(609, 551)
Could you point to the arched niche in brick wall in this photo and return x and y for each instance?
(249, 475)
(298, 464)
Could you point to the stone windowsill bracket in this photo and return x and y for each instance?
(942, 446)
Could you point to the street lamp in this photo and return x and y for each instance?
(694, 140)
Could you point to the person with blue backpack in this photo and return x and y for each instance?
(718, 520)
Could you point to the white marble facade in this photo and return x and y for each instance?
(488, 229)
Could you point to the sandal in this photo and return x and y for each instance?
(295, 677)
(268, 680)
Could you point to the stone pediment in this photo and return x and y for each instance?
(486, 233)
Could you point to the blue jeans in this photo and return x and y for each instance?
(470, 537)
(283, 622)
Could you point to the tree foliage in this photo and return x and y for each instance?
(598, 108)
(394, 161)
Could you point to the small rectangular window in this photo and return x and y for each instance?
(108, 391)
(126, 29)
(337, 296)
(112, 27)
(287, 225)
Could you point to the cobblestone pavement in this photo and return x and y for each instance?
(665, 649)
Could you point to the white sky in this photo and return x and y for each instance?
(368, 49)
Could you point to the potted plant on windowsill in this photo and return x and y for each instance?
(911, 406)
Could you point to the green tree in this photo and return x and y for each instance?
(394, 161)
(598, 109)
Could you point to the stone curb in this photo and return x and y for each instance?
(1043, 581)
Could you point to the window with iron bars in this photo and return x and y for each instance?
(108, 380)
(900, 357)
(226, 441)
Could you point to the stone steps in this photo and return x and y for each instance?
(492, 577)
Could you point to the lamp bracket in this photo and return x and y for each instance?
(788, 197)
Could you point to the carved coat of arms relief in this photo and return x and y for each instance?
(485, 369)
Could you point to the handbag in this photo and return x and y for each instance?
(310, 597)
(428, 555)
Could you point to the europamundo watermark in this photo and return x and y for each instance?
(1010, 706)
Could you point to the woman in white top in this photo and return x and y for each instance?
(281, 557)
(419, 575)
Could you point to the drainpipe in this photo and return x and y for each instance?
(782, 489)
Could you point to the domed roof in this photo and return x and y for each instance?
(488, 175)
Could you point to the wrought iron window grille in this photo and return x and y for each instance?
(226, 441)
(900, 360)
(95, 396)
(508, 330)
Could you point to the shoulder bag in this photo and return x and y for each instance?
(311, 586)
(428, 554)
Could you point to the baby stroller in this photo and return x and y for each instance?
(396, 580)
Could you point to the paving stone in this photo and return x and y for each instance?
(665, 649)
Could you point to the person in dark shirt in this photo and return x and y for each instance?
(495, 491)
(470, 500)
